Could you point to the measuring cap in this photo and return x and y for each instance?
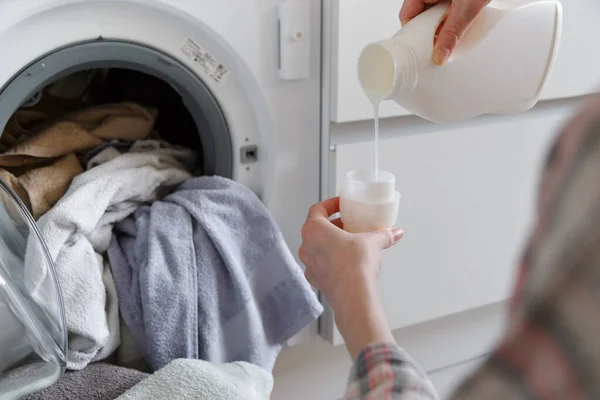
(369, 201)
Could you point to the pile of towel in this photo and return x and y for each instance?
(152, 260)
(99, 381)
(181, 379)
(78, 230)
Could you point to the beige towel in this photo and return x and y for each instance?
(41, 159)
(41, 188)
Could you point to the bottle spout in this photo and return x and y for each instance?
(376, 72)
(386, 70)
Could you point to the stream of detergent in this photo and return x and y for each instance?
(375, 104)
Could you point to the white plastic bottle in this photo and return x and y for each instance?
(500, 65)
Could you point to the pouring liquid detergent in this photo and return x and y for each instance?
(500, 66)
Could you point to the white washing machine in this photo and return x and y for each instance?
(248, 72)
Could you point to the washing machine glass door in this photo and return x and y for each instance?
(33, 338)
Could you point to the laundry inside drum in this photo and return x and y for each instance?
(61, 128)
(121, 254)
(70, 125)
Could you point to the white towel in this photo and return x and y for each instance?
(201, 380)
(78, 230)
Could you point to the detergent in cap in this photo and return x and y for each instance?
(369, 201)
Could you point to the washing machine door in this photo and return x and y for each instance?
(33, 336)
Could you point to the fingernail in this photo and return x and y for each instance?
(440, 55)
(404, 21)
(398, 233)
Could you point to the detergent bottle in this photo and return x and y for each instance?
(500, 65)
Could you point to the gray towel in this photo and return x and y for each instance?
(96, 382)
(200, 380)
(206, 274)
(78, 230)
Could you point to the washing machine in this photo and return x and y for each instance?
(247, 71)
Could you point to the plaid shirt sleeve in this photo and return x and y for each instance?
(384, 371)
(551, 347)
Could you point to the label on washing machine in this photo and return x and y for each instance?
(209, 64)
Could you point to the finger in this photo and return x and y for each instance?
(460, 16)
(385, 238)
(338, 222)
(324, 209)
(412, 8)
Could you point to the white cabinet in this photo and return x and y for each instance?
(355, 23)
(468, 194)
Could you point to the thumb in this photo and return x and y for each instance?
(385, 238)
(448, 37)
(460, 15)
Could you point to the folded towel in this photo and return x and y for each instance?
(206, 274)
(42, 162)
(200, 380)
(97, 382)
(78, 229)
